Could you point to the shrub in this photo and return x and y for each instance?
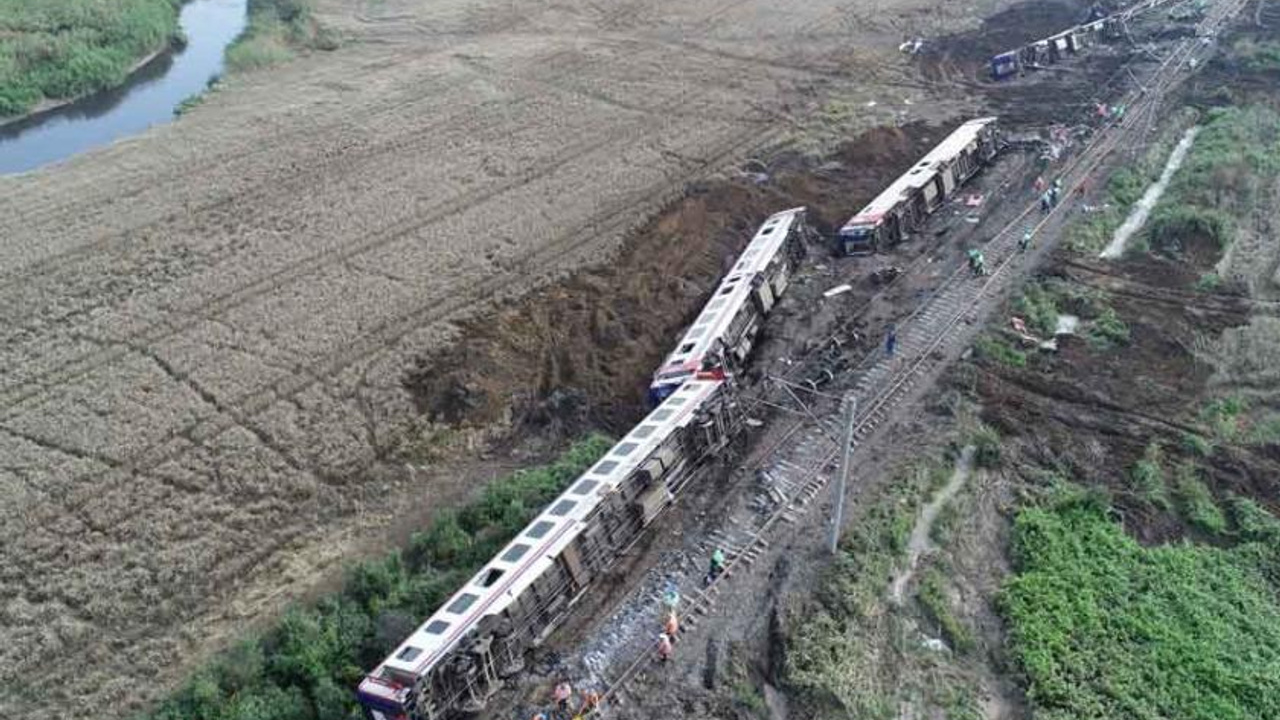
(62, 49)
(1038, 307)
(1196, 502)
(986, 444)
(933, 597)
(1107, 330)
(1106, 629)
(1148, 476)
(996, 350)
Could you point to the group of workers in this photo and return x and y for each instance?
(562, 694)
(564, 705)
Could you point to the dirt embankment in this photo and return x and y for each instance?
(581, 350)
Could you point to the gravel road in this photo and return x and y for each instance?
(205, 330)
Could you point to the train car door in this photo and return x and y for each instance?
(947, 175)
(571, 557)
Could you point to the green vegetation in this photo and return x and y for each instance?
(1149, 478)
(1104, 628)
(304, 668)
(997, 350)
(1196, 503)
(276, 29)
(1235, 157)
(62, 49)
(986, 446)
(1257, 56)
(1265, 431)
(1038, 307)
(933, 597)
(832, 657)
(1209, 282)
(1197, 444)
(1224, 417)
(1107, 330)
(1124, 188)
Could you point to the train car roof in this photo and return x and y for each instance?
(533, 551)
(733, 290)
(922, 172)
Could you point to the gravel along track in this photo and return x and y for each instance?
(204, 330)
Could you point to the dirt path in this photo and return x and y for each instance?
(206, 329)
(919, 543)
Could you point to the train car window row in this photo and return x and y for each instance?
(563, 507)
(540, 529)
(464, 601)
(585, 486)
(517, 551)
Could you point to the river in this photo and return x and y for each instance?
(148, 98)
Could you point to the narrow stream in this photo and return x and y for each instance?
(148, 98)
(1138, 216)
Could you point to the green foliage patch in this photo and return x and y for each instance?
(62, 49)
(933, 597)
(1235, 156)
(1104, 628)
(995, 349)
(305, 667)
(276, 28)
(1148, 477)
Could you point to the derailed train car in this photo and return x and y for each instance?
(722, 336)
(917, 193)
(460, 656)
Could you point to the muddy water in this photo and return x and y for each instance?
(147, 99)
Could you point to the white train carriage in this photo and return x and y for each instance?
(911, 198)
(720, 340)
(457, 659)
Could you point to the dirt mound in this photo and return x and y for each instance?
(582, 349)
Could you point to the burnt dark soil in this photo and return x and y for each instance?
(581, 350)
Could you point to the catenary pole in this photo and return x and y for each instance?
(846, 450)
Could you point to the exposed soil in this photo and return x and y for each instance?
(581, 349)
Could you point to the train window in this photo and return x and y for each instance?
(464, 601)
(563, 507)
(767, 230)
(687, 347)
(516, 552)
(625, 449)
(539, 529)
(408, 654)
(606, 467)
(435, 627)
(489, 577)
(643, 432)
(584, 487)
(715, 304)
(675, 401)
(727, 290)
(662, 415)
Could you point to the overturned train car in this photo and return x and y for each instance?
(459, 657)
(905, 204)
(724, 333)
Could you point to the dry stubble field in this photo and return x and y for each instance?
(204, 331)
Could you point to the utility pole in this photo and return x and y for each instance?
(846, 450)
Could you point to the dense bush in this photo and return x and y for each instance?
(305, 668)
(996, 350)
(66, 48)
(276, 28)
(1104, 628)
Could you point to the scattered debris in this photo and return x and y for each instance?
(837, 290)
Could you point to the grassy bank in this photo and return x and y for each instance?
(1103, 627)
(61, 49)
(305, 668)
(276, 30)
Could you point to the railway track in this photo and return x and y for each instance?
(802, 462)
